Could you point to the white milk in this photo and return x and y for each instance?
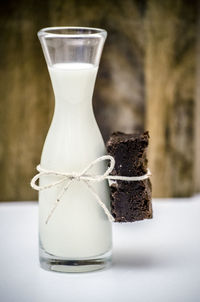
(79, 227)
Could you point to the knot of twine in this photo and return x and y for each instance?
(86, 178)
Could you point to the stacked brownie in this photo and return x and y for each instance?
(130, 200)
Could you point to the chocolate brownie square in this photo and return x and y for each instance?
(130, 200)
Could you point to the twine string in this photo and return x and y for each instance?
(84, 176)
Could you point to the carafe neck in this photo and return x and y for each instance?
(73, 86)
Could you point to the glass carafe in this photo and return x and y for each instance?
(78, 236)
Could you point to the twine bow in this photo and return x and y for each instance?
(86, 178)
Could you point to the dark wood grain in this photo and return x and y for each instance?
(149, 56)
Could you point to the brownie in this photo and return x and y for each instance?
(130, 200)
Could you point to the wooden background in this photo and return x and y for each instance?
(148, 79)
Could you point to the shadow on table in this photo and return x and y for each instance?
(130, 259)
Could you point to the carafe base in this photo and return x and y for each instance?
(64, 265)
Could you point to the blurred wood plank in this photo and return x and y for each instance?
(26, 104)
(197, 113)
(170, 95)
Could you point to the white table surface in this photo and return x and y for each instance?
(154, 260)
